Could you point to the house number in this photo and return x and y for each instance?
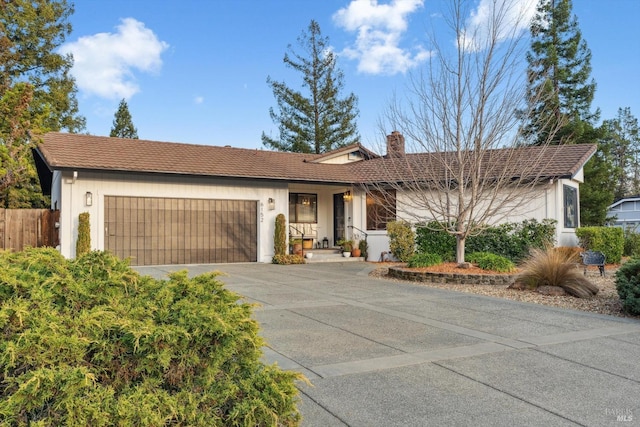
(261, 212)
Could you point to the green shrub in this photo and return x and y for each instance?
(91, 342)
(550, 267)
(501, 239)
(287, 259)
(513, 240)
(83, 245)
(631, 243)
(608, 240)
(628, 286)
(424, 260)
(401, 240)
(280, 235)
(510, 240)
(432, 239)
(493, 262)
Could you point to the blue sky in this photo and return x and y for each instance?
(195, 71)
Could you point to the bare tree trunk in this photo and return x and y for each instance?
(460, 248)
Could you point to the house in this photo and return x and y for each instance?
(168, 203)
(626, 212)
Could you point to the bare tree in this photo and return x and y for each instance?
(463, 113)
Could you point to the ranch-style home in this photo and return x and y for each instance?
(168, 203)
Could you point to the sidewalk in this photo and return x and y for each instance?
(382, 353)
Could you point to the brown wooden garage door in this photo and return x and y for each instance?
(156, 231)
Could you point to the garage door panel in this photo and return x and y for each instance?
(178, 231)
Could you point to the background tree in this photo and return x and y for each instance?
(622, 138)
(560, 90)
(123, 124)
(318, 120)
(461, 108)
(601, 175)
(37, 92)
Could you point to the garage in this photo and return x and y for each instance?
(158, 231)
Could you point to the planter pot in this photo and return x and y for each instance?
(346, 254)
(356, 252)
(307, 244)
(297, 248)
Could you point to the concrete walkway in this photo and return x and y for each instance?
(383, 353)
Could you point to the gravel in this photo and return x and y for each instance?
(605, 302)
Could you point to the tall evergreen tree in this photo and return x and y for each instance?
(560, 86)
(123, 124)
(319, 120)
(559, 93)
(37, 91)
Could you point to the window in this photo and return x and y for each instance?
(381, 208)
(570, 206)
(303, 208)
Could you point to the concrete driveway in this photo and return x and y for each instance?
(383, 353)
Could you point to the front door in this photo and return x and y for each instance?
(338, 218)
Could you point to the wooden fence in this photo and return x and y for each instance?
(20, 228)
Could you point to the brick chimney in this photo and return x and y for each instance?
(395, 144)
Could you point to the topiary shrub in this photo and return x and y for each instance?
(83, 245)
(91, 342)
(280, 236)
(424, 260)
(493, 262)
(608, 240)
(549, 267)
(628, 286)
(401, 240)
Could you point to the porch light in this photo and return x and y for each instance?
(347, 196)
(88, 198)
(271, 203)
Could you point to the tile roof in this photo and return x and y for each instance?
(562, 161)
(75, 151)
(85, 152)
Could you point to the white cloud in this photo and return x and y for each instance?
(198, 99)
(104, 63)
(379, 30)
(515, 17)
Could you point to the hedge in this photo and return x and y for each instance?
(510, 240)
(608, 240)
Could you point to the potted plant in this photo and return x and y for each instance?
(296, 246)
(364, 249)
(355, 251)
(347, 246)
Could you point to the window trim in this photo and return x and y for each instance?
(570, 201)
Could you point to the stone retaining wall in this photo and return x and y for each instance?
(451, 278)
